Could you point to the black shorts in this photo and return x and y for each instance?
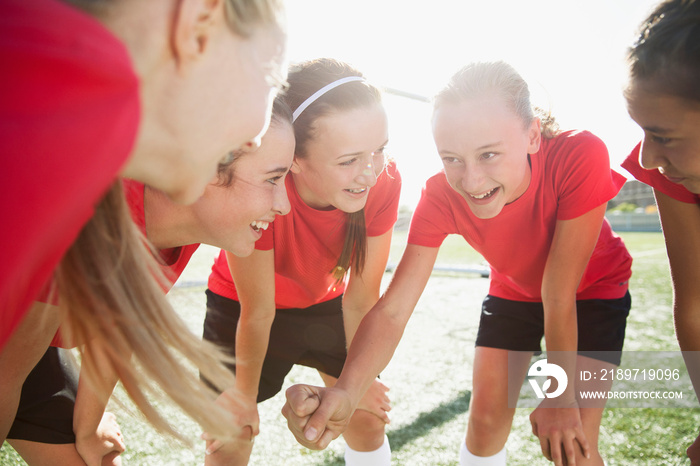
(45, 412)
(313, 337)
(519, 326)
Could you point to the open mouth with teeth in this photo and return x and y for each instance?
(357, 191)
(485, 195)
(259, 225)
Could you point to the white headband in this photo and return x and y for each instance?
(313, 97)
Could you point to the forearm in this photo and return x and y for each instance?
(92, 398)
(372, 348)
(381, 329)
(252, 339)
(561, 334)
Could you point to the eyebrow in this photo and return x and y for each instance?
(656, 129)
(354, 154)
(278, 170)
(489, 145)
(480, 148)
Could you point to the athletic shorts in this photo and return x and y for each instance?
(45, 412)
(312, 337)
(519, 326)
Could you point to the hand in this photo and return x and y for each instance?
(317, 415)
(232, 453)
(556, 424)
(246, 419)
(376, 401)
(106, 440)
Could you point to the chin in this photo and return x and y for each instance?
(242, 250)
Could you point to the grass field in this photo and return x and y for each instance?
(430, 378)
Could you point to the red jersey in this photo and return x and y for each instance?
(173, 260)
(69, 115)
(571, 175)
(307, 244)
(656, 180)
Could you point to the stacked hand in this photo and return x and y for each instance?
(318, 415)
(102, 446)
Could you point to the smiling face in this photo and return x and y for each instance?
(484, 145)
(234, 216)
(671, 133)
(343, 159)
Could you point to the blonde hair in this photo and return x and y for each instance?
(111, 294)
(479, 79)
(245, 16)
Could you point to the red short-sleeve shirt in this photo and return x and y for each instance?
(308, 242)
(570, 176)
(69, 114)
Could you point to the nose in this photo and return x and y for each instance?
(280, 201)
(472, 179)
(651, 157)
(367, 175)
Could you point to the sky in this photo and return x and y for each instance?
(572, 52)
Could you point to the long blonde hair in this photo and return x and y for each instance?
(111, 293)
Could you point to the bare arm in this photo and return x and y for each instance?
(571, 249)
(97, 433)
(363, 289)
(254, 277)
(316, 415)
(360, 295)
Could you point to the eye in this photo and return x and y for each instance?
(488, 155)
(275, 179)
(349, 162)
(450, 160)
(659, 139)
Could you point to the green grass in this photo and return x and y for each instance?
(430, 378)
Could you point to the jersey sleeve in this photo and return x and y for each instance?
(582, 175)
(433, 218)
(656, 180)
(382, 207)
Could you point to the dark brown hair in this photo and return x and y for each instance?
(304, 80)
(667, 50)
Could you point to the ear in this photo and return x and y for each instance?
(295, 168)
(534, 134)
(193, 26)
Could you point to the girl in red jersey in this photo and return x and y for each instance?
(156, 91)
(531, 200)
(56, 421)
(663, 97)
(299, 297)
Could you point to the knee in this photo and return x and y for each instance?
(367, 429)
(488, 421)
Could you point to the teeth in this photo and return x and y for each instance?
(482, 196)
(260, 225)
(357, 191)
